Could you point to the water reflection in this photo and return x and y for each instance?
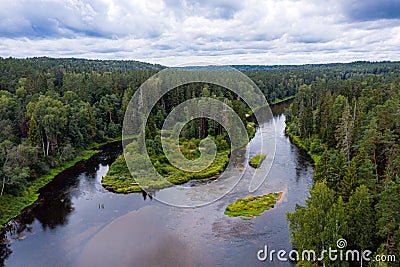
(54, 213)
(5, 250)
(145, 195)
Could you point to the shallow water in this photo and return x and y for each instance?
(78, 223)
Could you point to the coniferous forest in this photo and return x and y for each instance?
(346, 116)
(351, 128)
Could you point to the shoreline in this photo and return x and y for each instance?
(280, 101)
(12, 206)
(302, 145)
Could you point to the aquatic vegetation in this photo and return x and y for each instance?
(256, 161)
(120, 180)
(253, 205)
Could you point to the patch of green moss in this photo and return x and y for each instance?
(253, 205)
(256, 161)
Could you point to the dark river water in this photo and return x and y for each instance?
(78, 223)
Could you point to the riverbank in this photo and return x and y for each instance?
(120, 180)
(11, 206)
(303, 144)
(280, 101)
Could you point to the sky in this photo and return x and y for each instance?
(176, 32)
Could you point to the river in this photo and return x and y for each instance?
(78, 223)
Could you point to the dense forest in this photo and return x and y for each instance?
(350, 125)
(52, 110)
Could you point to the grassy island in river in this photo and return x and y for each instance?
(253, 205)
(256, 161)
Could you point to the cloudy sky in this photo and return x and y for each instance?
(174, 32)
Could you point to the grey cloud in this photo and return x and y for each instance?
(75, 18)
(223, 9)
(365, 10)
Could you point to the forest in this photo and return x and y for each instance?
(346, 116)
(52, 109)
(350, 126)
(55, 111)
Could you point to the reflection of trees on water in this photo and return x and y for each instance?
(302, 163)
(5, 250)
(54, 212)
(55, 205)
(145, 195)
(281, 108)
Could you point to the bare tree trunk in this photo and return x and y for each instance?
(44, 150)
(376, 166)
(109, 112)
(47, 148)
(387, 239)
(4, 177)
(3, 185)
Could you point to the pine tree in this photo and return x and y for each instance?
(344, 132)
(349, 181)
(388, 211)
(34, 136)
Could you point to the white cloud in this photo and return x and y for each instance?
(172, 32)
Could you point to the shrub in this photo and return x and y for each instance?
(256, 161)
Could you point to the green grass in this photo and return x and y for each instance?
(252, 206)
(11, 206)
(303, 144)
(256, 161)
(98, 145)
(120, 180)
(277, 101)
(251, 130)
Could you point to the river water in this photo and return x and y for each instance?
(78, 223)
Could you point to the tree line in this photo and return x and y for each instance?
(350, 125)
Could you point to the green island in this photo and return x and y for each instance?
(256, 161)
(120, 180)
(253, 205)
